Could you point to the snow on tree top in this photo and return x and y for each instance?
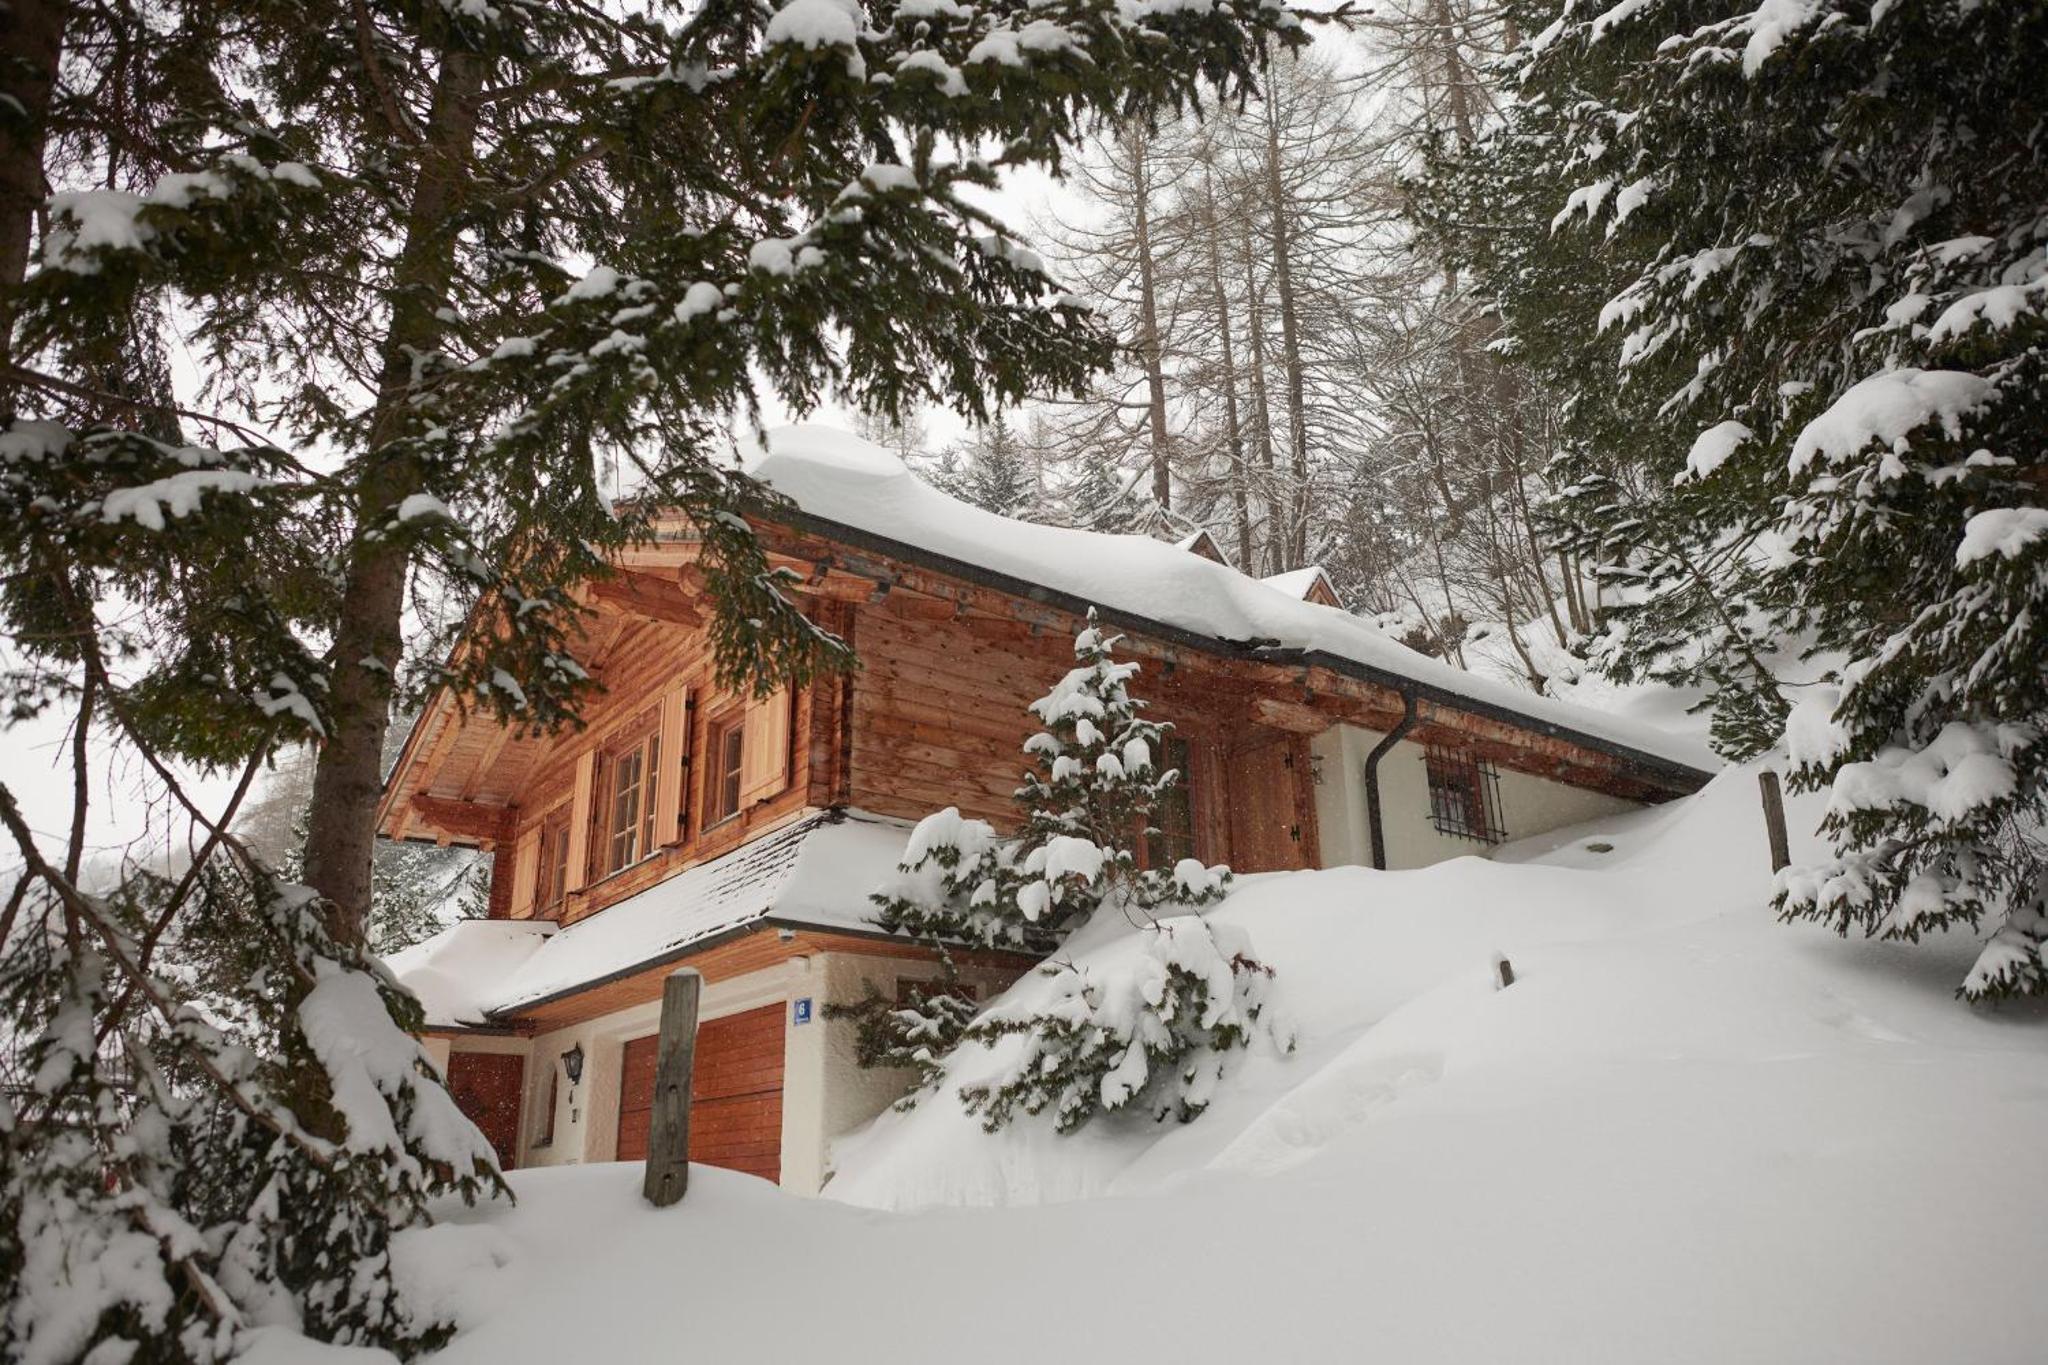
(837, 476)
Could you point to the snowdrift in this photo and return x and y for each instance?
(1686, 1133)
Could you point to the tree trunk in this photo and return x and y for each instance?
(1262, 407)
(32, 40)
(1290, 348)
(1148, 321)
(367, 643)
(1233, 433)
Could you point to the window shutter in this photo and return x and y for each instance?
(579, 819)
(668, 782)
(764, 753)
(525, 874)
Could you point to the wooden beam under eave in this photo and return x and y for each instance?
(1297, 717)
(660, 555)
(431, 760)
(652, 598)
(460, 819)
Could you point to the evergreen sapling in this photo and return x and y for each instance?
(1146, 1027)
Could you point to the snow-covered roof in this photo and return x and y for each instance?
(1299, 583)
(816, 872)
(836, 477)
(454, 971)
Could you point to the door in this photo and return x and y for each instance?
(735, 1094)
(486, 1087)
(1265, 810)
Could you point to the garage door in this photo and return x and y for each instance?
(735, 1095)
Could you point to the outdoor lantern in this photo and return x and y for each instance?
(572, 1063)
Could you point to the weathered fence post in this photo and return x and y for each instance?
(1774, 820)
(675, 1058)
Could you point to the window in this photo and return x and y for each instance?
(552, 881)
(726, 746)
(1464, 794)
(625, 813)
(553, 1090)
(1173, 820)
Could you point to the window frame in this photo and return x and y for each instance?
(640, 746)
(554, 841)
(549, 1100)
(728, 724)
(1163, 843)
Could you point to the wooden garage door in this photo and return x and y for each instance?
(486, 1087)
(735, 1095)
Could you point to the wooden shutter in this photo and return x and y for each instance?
(668, 782)
(579, 820)
(525, 874)
(764, 748)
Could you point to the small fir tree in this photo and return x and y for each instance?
(1148, 1032)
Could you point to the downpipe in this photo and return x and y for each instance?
(1372, 777)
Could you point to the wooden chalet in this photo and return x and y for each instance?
(687, 825)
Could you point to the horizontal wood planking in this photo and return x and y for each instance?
(735, 1094)
(940, 719)
(934, 718)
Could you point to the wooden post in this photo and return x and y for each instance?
(1503, 973)
(675, 1058)
(1774, 820)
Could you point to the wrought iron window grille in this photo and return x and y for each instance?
(1464, 794)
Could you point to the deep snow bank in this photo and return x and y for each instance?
(1386, 980)
(1687, 1133)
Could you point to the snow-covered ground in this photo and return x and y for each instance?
(1685, 1133)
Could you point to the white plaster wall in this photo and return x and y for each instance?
(827, 1093)
(438, 1048)
(1529, 805)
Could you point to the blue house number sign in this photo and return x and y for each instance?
(800, 1010)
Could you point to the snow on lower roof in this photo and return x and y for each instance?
(454, 971)
(815, 872)
(838, 477)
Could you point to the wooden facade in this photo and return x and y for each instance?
(935, 715)
(670, 772)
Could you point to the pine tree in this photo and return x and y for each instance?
(429, 175)
(1784, 233)
(993, 472)
(438, 266)
(1150, 1033)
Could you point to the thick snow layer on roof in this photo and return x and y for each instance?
(838, 476)
(453, 972)
(1295, 582)
(816, 872)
